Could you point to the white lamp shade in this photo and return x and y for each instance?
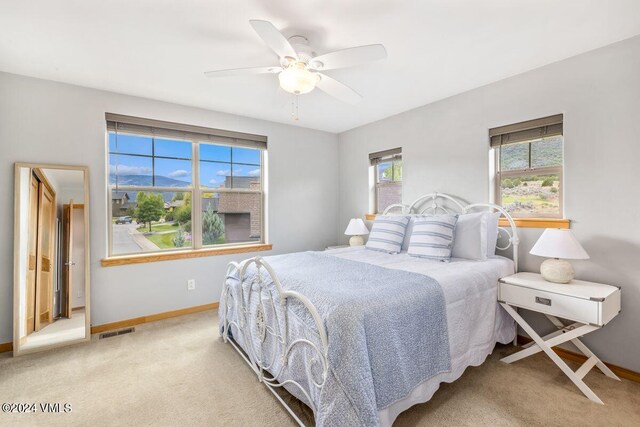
(297, 79)
(356, 227)
(559, 243)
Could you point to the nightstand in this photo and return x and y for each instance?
(328, 248)
(588, 305)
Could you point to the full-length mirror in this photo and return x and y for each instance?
(51, 257)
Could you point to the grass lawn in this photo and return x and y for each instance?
(159, 227)
(163, 241)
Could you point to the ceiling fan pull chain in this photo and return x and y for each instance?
(294, 108)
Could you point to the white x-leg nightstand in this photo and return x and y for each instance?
(589, 305)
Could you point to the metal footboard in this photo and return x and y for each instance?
(259, 312)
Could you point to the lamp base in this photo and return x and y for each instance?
(557, 271)
(356, 241)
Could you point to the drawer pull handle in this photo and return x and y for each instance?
(543, 301)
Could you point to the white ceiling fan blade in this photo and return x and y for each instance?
(243, 71)
(273, 38)
(338, 90)
(349, 57)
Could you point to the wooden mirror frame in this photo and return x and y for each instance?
(17, 347)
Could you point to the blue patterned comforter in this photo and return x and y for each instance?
(387, 332)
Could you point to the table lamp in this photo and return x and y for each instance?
(558, 245)
(356, 229)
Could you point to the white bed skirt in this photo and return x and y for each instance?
(505, 333)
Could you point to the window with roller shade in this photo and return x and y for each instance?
(529, 158)
(176, 187)
(388, 177)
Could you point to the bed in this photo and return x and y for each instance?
(360, 336)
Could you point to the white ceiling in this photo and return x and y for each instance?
(64, 178)
(67, 184)
(437, 48)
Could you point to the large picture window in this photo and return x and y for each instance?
(388, 178)
(178, 189)
(529, 166)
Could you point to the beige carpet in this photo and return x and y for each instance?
(177, 372)
(61, 330)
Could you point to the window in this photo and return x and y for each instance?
(176, 187)
(387, 167)
(529, 165)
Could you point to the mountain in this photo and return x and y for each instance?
(146, 180)
(547, 152)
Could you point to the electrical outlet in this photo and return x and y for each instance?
(191, 284)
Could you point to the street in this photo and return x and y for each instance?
(127, 240)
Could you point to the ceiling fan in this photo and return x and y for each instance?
(299, 69)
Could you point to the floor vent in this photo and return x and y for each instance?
(115, 333)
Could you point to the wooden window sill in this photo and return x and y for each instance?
(537, 222)
(196, 253)
(520, 222)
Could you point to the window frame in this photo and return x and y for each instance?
(547, 170)
(196, 190)
(397, 158)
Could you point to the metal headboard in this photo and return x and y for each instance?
(440, 203)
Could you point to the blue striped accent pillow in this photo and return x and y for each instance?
(432, 237)
(387, 233)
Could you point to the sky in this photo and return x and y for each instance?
(215, 160)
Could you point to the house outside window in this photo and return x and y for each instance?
(388, 178)
(182, 188)
(529, 167)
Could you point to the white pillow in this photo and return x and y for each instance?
(471, 237)
(492, 232)
(491, 235)
(432, 237)
(407, 235)
(387, 233)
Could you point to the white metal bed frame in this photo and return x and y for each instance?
(248, 322)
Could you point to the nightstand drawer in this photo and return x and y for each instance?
(564, 306)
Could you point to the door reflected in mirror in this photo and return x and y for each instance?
(51, 270)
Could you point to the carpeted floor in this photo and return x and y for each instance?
(177, 372)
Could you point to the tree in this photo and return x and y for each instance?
(507, 183)
(182, 214)
(393, 172)
(212, 227)
(150, 207)
(180, 239)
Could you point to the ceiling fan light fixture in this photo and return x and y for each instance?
(297, 79)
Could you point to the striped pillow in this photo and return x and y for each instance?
(432, 237)
(387, 233)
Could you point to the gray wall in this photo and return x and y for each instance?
(445, 148)
(43, 121)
